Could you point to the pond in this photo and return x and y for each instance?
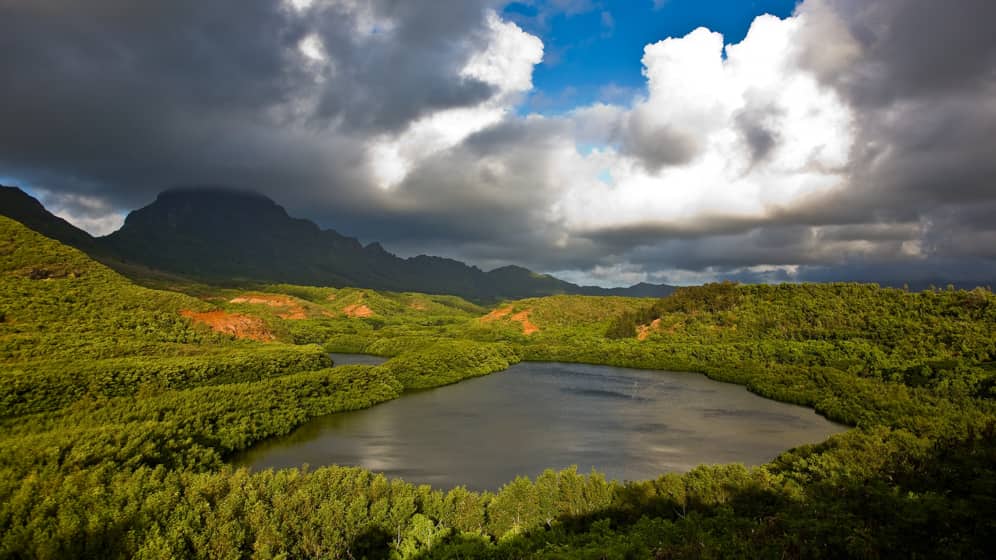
(483, 432)
(356, 359)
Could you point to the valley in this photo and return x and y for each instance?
(122, 406)
(481, 433)
(497, 279)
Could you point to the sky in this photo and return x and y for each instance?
(606, 142)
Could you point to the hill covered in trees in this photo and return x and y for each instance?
(122, 403)
(230, 236)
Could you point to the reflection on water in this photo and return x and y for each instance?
(481, 433)
(356, 359)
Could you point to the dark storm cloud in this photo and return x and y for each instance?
(393, 76)
(482, 192)
(119, 99)
(769, 246)
(913, 48)
(107, 102)
(649, 233)
(919, 192)
(923, 85)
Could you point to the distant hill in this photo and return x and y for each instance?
(231, 235)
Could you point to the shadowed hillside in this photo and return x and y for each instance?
(236, 237)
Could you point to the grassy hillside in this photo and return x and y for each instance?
(555, 318)
(119, 405)
(71, 327)
(941, 339)
(61, 303)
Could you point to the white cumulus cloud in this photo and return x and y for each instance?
(734, 137)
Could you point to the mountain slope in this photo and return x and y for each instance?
(226, 235)
(18, 205)
(230, 234)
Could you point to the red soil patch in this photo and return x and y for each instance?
(293, 310)
(418, 306)
(522, 317)
(357, 310)
(643, 331)
(496, 314)
(239, 326)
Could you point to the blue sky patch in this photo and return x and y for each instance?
(592, 49)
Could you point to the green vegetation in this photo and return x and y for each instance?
(118, 414)
(449, 361)
(942, 340)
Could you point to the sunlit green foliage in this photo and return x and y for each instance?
(450, 361)
(41, 385)
(118, 415)
(939, 339)
(216, 421)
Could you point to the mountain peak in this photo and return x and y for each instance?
(212, 192)
(215, 212)
(513, 268)
(227, 234)
(214, 199)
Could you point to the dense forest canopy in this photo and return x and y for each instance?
(121, 404)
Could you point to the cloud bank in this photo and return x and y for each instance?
(852, 140)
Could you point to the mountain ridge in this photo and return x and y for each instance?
(19, 205)
(221, 234)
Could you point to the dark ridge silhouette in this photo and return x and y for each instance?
(19, 205)
(227, 235)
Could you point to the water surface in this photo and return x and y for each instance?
(356, 359)
(481, 433)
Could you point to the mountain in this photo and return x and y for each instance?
(19, 205)
(227, 235)
(641, 290)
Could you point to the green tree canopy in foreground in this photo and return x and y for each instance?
(118, 415)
